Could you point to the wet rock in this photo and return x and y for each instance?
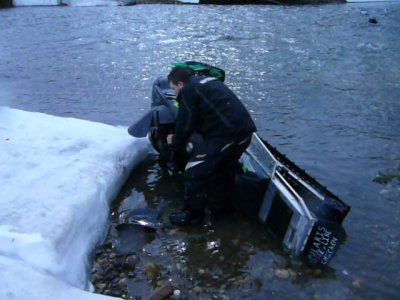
(131, 262)
(122, 282)
(357, 283)
(118, 263)
(107, 292)
(96, 278)
(163, 292)
(175, 231)
(113, 285)
(316, 272)
(292, 274)
(100, 287)
(222, 289)
(197, 289)
(107, 245)
(131, 274)
(281, 2)
(151, 270)
(257, 284)
(282, 273)
(235, 242)
(111, 275)
(373, 21)
(115, 293)
(316, 296)
(98, 252)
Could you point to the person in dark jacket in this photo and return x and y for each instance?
(214, 113)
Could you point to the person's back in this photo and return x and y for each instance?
(221, 114)
(212, 110)
(209, 108)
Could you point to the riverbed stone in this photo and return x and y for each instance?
(151, 270)
(257, 284)
(162, 292)
(197, 289)
(282, 2)
(107, 292)
(373, 21)
(282, 273)
(131, 274)
(130, 262)
(357, 283)
(122, 282)
(111, 275)
(316, 272)
(101, 286)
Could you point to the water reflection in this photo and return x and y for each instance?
(322, 82)
(232, 257)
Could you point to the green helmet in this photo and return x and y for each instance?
(202, 69)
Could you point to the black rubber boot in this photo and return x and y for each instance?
(186, 218)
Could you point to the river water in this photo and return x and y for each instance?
(322, 83)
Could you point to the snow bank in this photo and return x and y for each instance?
(21, 281)
(91, 2)
(36, 2)
(57, 178)
(75, 2)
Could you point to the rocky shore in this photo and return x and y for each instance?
(166, 275)
(132, 275)
(9, 3)
(141, 273)
(270, 2)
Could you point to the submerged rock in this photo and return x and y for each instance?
(357, 283)
(274, 2)
(151, 270)
(282, 273)
(316, 272)
(163, 292)
(130, 262)
(6, 3)
(373, 21)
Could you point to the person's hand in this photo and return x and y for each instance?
(169, 139)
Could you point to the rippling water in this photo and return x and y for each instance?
(322, 83)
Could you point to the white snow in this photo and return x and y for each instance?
(91, 2)
(57, 179)
(73, 2)
(36, 2)
(190, 1)
(84, 2)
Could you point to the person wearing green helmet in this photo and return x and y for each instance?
(210, 109)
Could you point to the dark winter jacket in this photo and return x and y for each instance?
(208, 107)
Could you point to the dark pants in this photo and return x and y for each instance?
(210, 172)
